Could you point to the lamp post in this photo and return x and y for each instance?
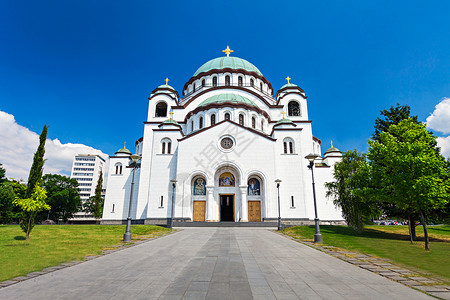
(174, 182)
(278, 181)
(134, 163)
(317, 236)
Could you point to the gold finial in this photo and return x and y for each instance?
(167, 80)
(331, 144)
(125, 145)
(227, 51)
(171, 114)
(288, 78)
(283, 112)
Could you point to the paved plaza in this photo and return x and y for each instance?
(213, 263)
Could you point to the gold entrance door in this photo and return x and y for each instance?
(199, 211)
(254, 211)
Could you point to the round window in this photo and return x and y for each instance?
(226, 143)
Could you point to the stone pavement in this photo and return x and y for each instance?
(213, 263)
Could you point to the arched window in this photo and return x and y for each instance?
(254, 187)
(227, 80)
(214, 81)
(199, 186)
(118, 168)
(166, 146)
(213, 119)
(240, 82)
(288, 146)
(193, 87)
(241, 119)
(203, 83)
(200, 123)
(227, 116)
(262, 124)
(192, 125)
(261, 86)
(161, 109)
(253, 122)
(294, 108)
(252, 82)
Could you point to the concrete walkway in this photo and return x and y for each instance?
(213, 263)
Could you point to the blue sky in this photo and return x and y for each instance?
(86, 68)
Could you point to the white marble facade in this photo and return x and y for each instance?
(225, 141)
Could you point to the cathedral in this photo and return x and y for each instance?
(215, 153)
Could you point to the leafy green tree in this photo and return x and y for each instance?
(94, 204)
(35, 175)
(408, 172)
(351, 176)
(393, 116)
(30, 207)
(2, 174)
(7, 196)
(62, 196)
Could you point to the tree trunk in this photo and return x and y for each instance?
(425, 232)
(412, 227)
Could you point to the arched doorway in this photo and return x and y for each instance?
(227, 194)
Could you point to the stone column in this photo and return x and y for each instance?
(244, 203)
(210, 204)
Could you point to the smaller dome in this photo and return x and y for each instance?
(289, 85)
(284, 121)
(227, 98)
(170, 121)
(165, 86)
(124, 151)
(332, 149)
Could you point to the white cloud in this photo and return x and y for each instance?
(18, 145)
(444, 143)
(439, 120)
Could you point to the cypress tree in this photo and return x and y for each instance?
(37, 167)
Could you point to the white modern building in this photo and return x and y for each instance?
(86, 171)
(225, 141)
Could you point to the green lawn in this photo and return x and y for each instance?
(389, 242)
(51, 245)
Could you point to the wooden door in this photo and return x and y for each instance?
(254, 211)
(199, 211)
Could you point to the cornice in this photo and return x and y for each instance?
(221, 105)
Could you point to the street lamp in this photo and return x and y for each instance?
(311, 157)
(278, 181)
(134, 164)
(174, 182)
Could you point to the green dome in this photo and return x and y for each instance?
(227, 98)
(165, 86)
(169, 121)
(227, 62)
(332, 149)
(124, 150)
(284, 121)
(289, 85)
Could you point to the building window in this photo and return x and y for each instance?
(192, 125)
(203, 83)
(292, 201)
(161, 109)
(226, 143)
(241, 119)
(200, 123)
(166, 145)
(162, 202)
(288, 146)
(163, 150)
(253, 122)
(294, 108)
(213, 119)
(118, 169)
(193, 87)
(227, 80)
(214, 81)
(227, 116)
(261, 86)
(240, 81)
(169, 146)
(262, 124)
(113, 208)
(252, 82)
(254, 187)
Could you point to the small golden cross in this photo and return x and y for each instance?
(228, 51)
(171, 114)
(283, 113)
(166, 80)
(288, 78)
(331, 144)
(125, 145)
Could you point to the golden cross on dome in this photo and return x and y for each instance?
(167, 80)
(288, 78)
(283, 112)
(331, 144)
(171, 114)
(125, 145)
(227, 51)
